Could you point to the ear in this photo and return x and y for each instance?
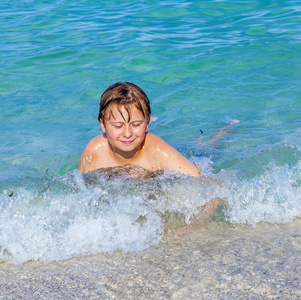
(147, 123)
(102, 124)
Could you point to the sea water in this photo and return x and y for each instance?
(201, 63)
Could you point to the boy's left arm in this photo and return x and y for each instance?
(172, 160)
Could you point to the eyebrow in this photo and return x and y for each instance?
(121, 122)
(131, 120)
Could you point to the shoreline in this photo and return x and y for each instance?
(218, 261)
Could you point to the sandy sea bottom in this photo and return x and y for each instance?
(218, 261)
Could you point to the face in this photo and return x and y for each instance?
(124, 135)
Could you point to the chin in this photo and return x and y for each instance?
(130, 147)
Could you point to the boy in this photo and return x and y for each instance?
(124, 116)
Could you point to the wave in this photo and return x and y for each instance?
(72, 215)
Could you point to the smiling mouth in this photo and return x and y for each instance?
(127, 142)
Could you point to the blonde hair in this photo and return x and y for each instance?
(123, 94)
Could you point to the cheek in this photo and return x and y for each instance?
(140, 131)
(111, 133)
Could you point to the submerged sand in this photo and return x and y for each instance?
(218, 261)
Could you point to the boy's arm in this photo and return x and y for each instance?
(202, 218)
(84, 164)
(212, 205)
(90, 159)
(87, 161)
(172, 160)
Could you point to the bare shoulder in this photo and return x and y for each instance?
(154, 140)
(99, 142)
(169, 158)
(157, 146)
(90, 156)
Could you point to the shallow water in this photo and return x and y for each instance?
(218, 261)
(201, 64)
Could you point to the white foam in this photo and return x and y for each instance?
(67, 216)
(273, 197)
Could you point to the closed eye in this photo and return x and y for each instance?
(136, 124)
(118, 126)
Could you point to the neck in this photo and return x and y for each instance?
(126, 157)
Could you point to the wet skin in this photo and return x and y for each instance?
(126, 141)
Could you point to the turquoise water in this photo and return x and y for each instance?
(202, 64)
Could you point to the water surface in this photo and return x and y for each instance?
(202, 64)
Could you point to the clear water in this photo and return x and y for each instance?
(202, 64)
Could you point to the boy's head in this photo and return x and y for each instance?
(123, 94)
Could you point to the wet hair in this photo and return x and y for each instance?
(123, 94)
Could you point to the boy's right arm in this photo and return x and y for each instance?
(84, 164)
(88, 158)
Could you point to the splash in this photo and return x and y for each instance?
(75, 215)
(66, 216)
(273, 196)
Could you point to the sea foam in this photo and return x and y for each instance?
(75, 214)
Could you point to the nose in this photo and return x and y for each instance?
(127, 133)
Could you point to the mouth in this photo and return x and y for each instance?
(127, 142)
